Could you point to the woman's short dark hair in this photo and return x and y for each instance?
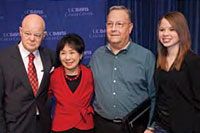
(72, 40)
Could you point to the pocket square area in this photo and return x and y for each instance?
(52, 69)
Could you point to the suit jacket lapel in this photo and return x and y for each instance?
(21, 73)
(46, 61)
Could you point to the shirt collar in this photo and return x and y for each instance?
(122, 50)
(24, 52)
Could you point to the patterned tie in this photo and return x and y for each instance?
(32, 73)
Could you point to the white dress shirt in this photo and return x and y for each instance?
(37, 61)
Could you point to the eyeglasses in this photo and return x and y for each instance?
(37, 35)
(118, 25)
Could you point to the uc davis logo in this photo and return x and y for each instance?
(35, 11)
(10, 36)
(55, 35)
(97, 33)
(78, 11)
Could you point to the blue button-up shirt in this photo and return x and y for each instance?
(122, 81)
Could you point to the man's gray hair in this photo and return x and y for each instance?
(128, 11)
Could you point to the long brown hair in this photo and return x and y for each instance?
(179, 23)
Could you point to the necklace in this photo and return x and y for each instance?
(75, 78)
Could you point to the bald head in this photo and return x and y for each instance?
(32, 32)
(34, 19)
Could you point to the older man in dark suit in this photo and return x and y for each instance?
(24, 80)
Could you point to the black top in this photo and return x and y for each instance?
(169, 90)
(73, 85)
(178, 97)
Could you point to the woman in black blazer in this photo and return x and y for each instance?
(177, 75)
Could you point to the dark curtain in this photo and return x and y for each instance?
(146, 13)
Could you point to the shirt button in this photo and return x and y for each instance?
(114, 106)
(114, 81)
(115, 68)
(116, 57)
(114, 93)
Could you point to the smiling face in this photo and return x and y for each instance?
(70, 59)
(167, 34)
(118, 28)
(173, 39)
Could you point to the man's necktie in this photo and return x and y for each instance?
(32, 74)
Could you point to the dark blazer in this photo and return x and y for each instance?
(17, 101)
(193, 67)
(185, 106)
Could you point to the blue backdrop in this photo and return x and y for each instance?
(87, 18)
(84, 17)
(146, 14)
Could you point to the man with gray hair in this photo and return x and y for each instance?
(123, 75)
